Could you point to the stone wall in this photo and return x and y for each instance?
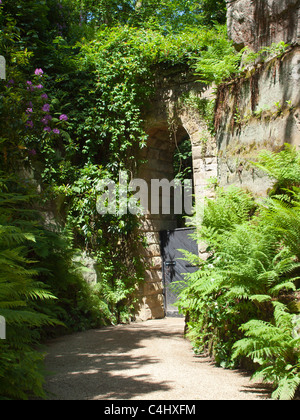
(258, 23)
(168, 122)
(259, 111)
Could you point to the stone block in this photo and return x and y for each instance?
(152, 238)
(197, 152)
(212, 167)
(153, 250)
(153, 289)
(198, 165)
(150, 307)
(153, 276)
(156, 305)
(155, 263)
(89, 273)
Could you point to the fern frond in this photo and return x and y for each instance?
(22, 317)
(287, 387)
(260, 298)
(283, 167)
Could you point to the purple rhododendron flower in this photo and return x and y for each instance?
(30, 86)
(39, 87)
(29, 110)
(44, 96)
(63, 117)
(38, 72)
(45, 120)
(47, 129)
(56, 131)
(46, 108)
(30, 124)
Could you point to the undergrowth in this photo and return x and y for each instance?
(242, 302)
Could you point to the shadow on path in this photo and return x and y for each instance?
(143, 361)
(105, 363)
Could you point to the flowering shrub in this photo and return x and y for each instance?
(35, 124)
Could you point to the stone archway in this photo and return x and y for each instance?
(167, 124)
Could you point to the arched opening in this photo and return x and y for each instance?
(179, 145)
(168, 156)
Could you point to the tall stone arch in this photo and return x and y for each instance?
(170, 119)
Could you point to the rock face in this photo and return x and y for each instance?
(258, 23)
(255, 112)
(260, 109)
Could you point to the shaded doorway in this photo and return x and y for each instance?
(174, 266)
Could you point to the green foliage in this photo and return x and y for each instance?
(283, 167)
(182, 161)
(219, 60)
(275, 50)
(165, 14)
(276, 349)
(19, 291)
(232, 207)
(283, 216)
(248, 284)
(42, 290)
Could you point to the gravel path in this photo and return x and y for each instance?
(141, 361)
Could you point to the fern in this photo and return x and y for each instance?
(254, 264)
(20, 292)
(275, 349)
(19, 363)
(219, 61)
(231, 207)
(283, 217)
(283, 167)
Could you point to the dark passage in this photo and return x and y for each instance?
(174, 267)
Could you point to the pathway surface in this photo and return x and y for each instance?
(141, 361)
